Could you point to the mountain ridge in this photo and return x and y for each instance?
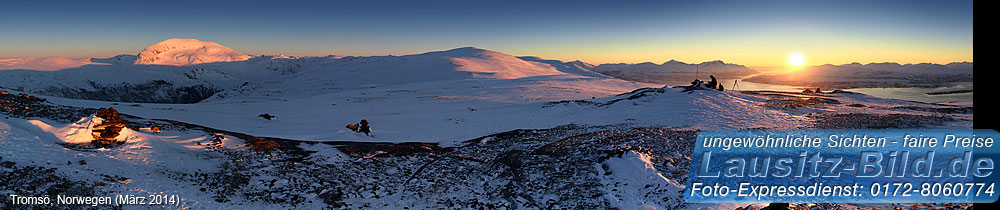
(183, 80)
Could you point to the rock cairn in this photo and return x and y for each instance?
(109, 128)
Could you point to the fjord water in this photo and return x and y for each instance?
(918, 94)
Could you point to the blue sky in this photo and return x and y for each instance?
(746, 32)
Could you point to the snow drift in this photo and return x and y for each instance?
(81, 131)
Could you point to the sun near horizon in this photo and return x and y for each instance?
(796, 61)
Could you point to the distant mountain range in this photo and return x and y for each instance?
(673, 71)
(188, 71)
(856, 75)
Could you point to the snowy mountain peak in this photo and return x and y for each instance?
(672, 61)
(715, 62)
(179, 52)
(482, 63)
(467, 49)
(581, 64)
(462, 52)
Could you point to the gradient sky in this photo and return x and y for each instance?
(753, 33)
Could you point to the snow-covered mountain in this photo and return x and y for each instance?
(856, 75)
(572, 67)
(179, 52)
(175, 52)
(123, 59)
(672, 71)
(44, 64)
(197, 70)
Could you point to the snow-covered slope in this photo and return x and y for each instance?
(454, 64)
(123, 59)
(161, 84)
(552, 140)
(43, 64)
(80, 131)
(609, 148)
(572, 67)
(494, 65)
(181, 52)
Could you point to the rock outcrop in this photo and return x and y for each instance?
(108, 127)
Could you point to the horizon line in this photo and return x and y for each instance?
(595, 64)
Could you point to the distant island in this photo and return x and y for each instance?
(949, 92)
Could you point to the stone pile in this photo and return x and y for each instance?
(108, 129)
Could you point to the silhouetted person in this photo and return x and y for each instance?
(817, 90)
(696, 83)
(721, 88)
(712, 84)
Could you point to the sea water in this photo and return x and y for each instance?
(918, 94)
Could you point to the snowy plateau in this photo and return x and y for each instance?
(465, 128)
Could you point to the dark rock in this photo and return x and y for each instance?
(109, 128)
(842, 91)
(267, 116)
(265, 145)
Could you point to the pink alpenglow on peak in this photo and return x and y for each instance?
(180, 52)
(43, 64)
